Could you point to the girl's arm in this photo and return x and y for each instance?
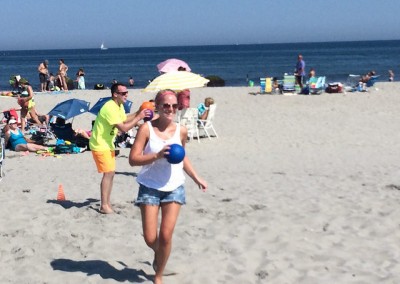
(187, 165)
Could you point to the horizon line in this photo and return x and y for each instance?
(200, 45)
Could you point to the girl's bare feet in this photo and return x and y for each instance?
(106, 209)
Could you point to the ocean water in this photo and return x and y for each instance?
(236, 64)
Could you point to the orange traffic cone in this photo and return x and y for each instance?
(60, 194)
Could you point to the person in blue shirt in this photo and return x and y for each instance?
(300, 71)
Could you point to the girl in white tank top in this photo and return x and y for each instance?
(161, 183)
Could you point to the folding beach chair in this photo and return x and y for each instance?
(372, 80)
(266, 85)
(41, 134)
(318, 87)
(352, 82)
(189, 118)
(207, 124)
(289, 82)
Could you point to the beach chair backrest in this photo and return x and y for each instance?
(320, 82)
(210, 116)
(188, 114)
(268, 85)
(289, 82)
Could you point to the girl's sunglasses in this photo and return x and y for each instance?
(168, 106)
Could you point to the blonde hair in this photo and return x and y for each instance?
(161, 94)
(209, 100)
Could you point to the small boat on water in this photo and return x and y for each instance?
(103, 47)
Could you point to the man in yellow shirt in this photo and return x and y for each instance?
(110, 119)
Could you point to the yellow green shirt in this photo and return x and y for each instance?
(104, 130)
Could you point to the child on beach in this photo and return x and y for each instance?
(161, 185)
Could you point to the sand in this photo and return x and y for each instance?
(302, 189)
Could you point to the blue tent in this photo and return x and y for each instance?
(97, 106)
(70, 108)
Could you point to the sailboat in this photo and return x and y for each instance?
(103, 47)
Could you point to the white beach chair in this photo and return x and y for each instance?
(188, 118)
(207, 124)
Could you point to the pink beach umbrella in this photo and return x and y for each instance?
(172, 64)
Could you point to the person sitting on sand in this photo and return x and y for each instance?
(203, 108)
(312, 80)
(17, 140)
(365, 78)
(311, 74)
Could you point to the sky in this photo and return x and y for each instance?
(69, 24)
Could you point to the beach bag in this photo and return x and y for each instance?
(334, 88)
(67, 149)
(305, 91)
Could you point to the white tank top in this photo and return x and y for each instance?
(160, 174)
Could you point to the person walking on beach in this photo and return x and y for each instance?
(161, 184)
(109, 120)
(300, 70)
(27, 103)
(43, 69)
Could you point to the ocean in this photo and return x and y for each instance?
(236, 64)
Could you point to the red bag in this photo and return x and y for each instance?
(334, 88)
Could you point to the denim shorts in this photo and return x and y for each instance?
(150, 196)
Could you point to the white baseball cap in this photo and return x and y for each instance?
(12, 120)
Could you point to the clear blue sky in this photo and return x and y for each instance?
(40, 24)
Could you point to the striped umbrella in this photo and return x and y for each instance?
(178, 80)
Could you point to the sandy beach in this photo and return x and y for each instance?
(302, 189)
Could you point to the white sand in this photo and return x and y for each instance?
(302, 189)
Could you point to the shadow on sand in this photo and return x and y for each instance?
(102, 268)
(67, 204)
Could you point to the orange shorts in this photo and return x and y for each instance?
(105, 161)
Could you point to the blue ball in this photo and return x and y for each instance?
(176, 154)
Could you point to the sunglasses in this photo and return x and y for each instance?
(122, 93)
(168, 106)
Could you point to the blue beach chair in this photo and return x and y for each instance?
(372, 80)
(318, 87)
